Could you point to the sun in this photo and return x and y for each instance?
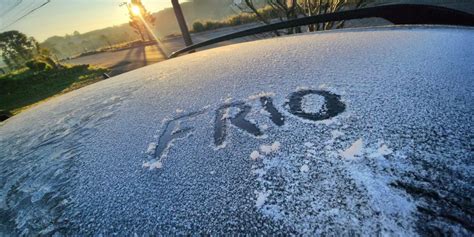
(136, 10)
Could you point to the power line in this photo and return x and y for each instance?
(11, 8)
(19, 10)
(28, 13)
(25, 9)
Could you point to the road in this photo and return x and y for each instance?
(133, 58)
(123, 60)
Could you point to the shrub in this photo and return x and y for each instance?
(37, 65)
(240, 19)
(4, 115)
(198, 26)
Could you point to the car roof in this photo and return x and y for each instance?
(346, 131)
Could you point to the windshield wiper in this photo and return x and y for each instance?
(398, 14)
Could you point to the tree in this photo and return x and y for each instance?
(106, 40)
(85, 44)
(16, 48)
(139, 16)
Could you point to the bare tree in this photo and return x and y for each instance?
(251, 5)
(292, 9)
(317, 7)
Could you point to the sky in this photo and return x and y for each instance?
(60, 17)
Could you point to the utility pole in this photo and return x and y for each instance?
(182, 23)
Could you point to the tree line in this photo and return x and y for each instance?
(18, 50)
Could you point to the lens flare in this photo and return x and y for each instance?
(136, 10)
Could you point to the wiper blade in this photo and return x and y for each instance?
(398, 14)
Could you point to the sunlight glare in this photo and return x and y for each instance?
(136, 10)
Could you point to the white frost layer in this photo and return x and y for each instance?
(261, 94)
(254, 155)
(384, 150)
(313, 103)
(336, 133)
(151, 148)
(267, 149)
(354, 150)
(261, 198)
(151, 165)
(351, 194)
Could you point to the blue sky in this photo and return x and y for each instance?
(65, 16)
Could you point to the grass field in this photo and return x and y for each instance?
(24, 88)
